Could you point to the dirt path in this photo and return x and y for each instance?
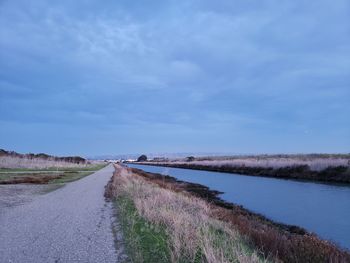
(71, 224)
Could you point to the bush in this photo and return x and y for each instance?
(142, 158)
(190, 158)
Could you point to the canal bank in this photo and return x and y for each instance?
(319, 208)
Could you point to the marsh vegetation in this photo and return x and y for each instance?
(316, 167)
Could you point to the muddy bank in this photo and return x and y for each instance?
(41, 177)
(289, 243)
(31, 179)
(339, 174)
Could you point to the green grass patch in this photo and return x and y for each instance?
(145, 242)
(70, 177)
(4, 177)
(94, 167)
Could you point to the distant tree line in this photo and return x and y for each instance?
(44, 156)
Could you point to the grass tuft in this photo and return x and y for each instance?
(145, 242)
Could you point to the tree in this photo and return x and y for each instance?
(142, 158)
(190, 158)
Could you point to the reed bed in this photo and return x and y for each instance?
(314, 164)
(326, 168)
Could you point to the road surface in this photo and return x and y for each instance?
(70, 224)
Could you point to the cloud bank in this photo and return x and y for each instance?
(118, 77)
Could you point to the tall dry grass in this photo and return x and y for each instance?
(315, 164)
(287, 243)
(192, 232)
(11, 162)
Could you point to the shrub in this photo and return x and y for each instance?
(142, 158)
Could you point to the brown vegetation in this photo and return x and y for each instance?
(328, 168)
(70, 159)
(287, 243)
(11, 159)
(31, 179)
(192, 233)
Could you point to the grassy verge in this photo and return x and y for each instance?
(145, 242)
(162, 225)
(288, 243)
(70, 177)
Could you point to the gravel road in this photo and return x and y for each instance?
(70, 224)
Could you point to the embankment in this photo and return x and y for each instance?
(274, 241)
(163, 225)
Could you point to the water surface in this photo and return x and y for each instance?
(320, 208)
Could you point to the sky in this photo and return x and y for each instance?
(92, 77)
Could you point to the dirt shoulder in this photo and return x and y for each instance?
(19, 194)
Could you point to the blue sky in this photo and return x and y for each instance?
(237, 76)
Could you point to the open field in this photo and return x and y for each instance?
(265, 238)
(317, 167)
(19, 169)
(31, 176)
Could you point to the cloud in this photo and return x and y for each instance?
(246, 67)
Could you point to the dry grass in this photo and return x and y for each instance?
(11, 162)
(194, 236)
(287, 243)
(316, 167)
(315, 164)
